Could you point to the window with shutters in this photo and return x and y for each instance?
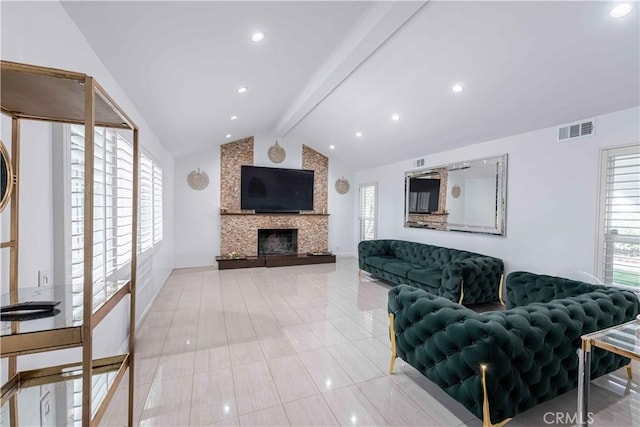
(146, 203)
(124, 197)
(105, 214)
(113, 219)
(157, 204)
(368, 211)
(112, 233)
(618, 260)
(150, 204)
(113, 208)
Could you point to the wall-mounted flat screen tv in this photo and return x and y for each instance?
(266, 190)
(424, 194)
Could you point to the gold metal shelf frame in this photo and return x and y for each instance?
(60, 96)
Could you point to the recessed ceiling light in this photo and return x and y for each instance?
(243, 89)
(457, 88)
(621, 10)
(395, 117)
(332, 147)
(358, 134)
(228, 135)
(233, 117)
(256, 37)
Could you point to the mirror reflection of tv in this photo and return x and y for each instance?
(275, 190)
(424, 194)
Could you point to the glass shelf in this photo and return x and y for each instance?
(62, 330)
(53, 396)
(25, 87)
(623, 339)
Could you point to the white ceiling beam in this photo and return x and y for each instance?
(382, 21)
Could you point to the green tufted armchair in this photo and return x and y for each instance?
(460, 276)
(528, 351)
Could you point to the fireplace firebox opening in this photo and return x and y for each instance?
(277, 241)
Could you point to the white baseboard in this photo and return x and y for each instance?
(344, 254)
(124, 348)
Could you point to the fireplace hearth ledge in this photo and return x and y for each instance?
(225, 263)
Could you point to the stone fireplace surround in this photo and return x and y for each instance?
(239, 229)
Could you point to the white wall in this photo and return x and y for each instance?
(36, 233)
(341, 210)
(197, 215)
(551, 197)
(41, 33)
(261, 145)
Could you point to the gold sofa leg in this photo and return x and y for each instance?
(500, 291)
(392, 335)
(486, 419)
(629, 371)
(461, 292)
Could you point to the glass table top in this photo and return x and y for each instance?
(625, 337)
(67, 314)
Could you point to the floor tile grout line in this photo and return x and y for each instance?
(269, 370)
(162, 348)
(396, 387)
(297, 353)
(158, 361)
(233, 376)
(335, 416)
(282, 404)
(193, 382)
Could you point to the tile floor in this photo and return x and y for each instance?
(303, 345)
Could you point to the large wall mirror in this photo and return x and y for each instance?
(467, 196)
(6, 176)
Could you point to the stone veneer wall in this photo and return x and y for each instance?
(239, 229)
(319, 163)
(232, 156)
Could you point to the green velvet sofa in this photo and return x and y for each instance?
(460, 276)
(527, 353)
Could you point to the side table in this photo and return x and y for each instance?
(623, 339)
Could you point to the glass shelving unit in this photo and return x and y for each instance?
(65, 393)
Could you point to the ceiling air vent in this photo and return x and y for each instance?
(576, 130)
(418, 163)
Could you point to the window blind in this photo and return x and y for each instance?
(368, 214)
(113, 219)
(157, 204)
(77, 217)
(124, 197)
(146, 203)
(619, 236)
(104, 224)
(107, 195)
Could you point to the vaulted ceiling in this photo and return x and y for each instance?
(328, 70)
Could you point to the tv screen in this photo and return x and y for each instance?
(265, 189)
(424, 194)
